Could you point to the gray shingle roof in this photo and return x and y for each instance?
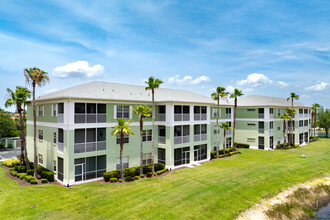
(258, 100)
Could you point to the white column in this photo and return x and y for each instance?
(266, 112)
(170, 113)
(191, 113)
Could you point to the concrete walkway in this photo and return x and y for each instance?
(9, 153)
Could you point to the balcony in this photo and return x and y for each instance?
(200, 137)
(161, 140)
(301, 129)
(200, 117)
(60, 118)
(228, 132)
(271, 116)
(291, 128)
(90, 118)
(261, 130)
(89, 147)
(161, 117)
(261, 115)
(181, 117)
(60, 147)
(182, 139)
(301, 115)
(271, 131)
(228, 116)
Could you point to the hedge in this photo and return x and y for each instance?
(13, 173)
(241, 145)
(11, 162)
(149, 174)
(128, 178)
(22, 175)
(113, 180)
(214, 153)
(45, 173)
(30, 172)
(280, 146)
(160, 172)
(29, 178)
(44, 181)
(34, 182)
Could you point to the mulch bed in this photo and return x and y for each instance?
(22, 182)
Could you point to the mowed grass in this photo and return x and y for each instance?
(216, 190)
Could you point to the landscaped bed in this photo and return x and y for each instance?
(218, 190)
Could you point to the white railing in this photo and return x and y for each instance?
(200, 117)
(200, 137)
(182, 139)
(291, 128)
(161, 117)
(89, 147)
(228, 116)
(181, 117)
(89, 118)
(301, 115)
(161, 140)
(261, 130)
(271, 116)
(60, 118)
(301, 129)
(228, 132)
(261, 115)
(60, 147)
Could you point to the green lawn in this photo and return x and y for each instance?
(217, 190)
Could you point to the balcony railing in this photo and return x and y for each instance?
(90, 118)
(89, 147)
(161, 140)
(271, 116)
(261, 130)
(228, 116)
(182, 139)
(228, 132)
(161, 117)
(60, 118)
(181, 117)
(291, 128)
(261, 115)
(200, 137)
(60, 147)
(199, 117)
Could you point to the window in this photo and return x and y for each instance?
(278, 112)
(271, 125)
(306, 111)
(41, 134)
(55, 138)
(147, 135)
(147, 158)
(278, 126)
(200, 152)
(40, 159)
(125, 163)
(54, 110)
(41, 110)
(214, 112)
(271, 142)
(89, 167)
(54, 168)
(301, 111)
(271, 111)
(250, 124)
(251, 109)
(306, 123)
(301, 123)
(123, 111)
(181, 156)
(89, 140)
(181, 113)
(126, 139)
(228, 111)
(200, 132)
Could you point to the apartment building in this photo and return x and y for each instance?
(258, 122)
(74, 129)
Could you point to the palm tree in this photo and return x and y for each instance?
(291, 111)
(235, 94)
(142, 111)
(292, 97)
(20, 97)
(35, 77)
(225, 127)
(152, 85)
(220, 91)
(285, 117)
(121, 129)
(314, 109)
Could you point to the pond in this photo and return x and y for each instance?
(323, 213)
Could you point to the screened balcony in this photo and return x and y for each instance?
(161, 113)
(200, 113)
(200, 132)
(60, 114)
(228, 113)
(181, 134)
(90, 113)
(161, 134)
(89, 140)
(261, 127)
(261, 113)
(181, 113)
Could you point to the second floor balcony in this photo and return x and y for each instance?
(90, 118)
(181, 117)
(182, 139)
(200, 137)
(89, 146)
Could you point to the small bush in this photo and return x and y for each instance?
(11, 163)
(160, 172)
(13, 173)
(159, 166)
(30, 172)
(111, 174)
(47, 174)
(142, 176)
(149, 174)
(34, 182)
(234, 152)
(21, 169)
(120, 180)
(113, 180)
(44, 181)
(22, 175)
(147, 168)
(12, 169)
(127, 178)
(166, 169)
(136, 178)
(132, 171)
(280, 146)
(241, 145)
(29, 178)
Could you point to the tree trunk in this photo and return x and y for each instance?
(153, 134)
(218, 127)
(224, 142)
(121, 154)
(141, 140)
(234, 124)
(35, 130)
(283, 134)
(314, 124)
(19, 110)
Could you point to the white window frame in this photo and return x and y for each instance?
(40, 158)
(122, 111)
(41, 132)
(126, 136)
(54, 105)
(146, 158)
(125, 161)
(147, 135)
(214, 112)
(39, 109)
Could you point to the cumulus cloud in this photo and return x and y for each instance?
(282, 84)
(254, 80)
(318, 87)
(187, 80)
(230, 89)
(79, 69)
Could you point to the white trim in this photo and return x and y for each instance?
(115, 111)
(130, 112)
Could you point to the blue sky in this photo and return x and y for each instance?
(263, 47)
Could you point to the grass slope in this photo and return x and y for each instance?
(216, 190)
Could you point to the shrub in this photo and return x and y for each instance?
(44, 181)
(127, 178)
(12, 169)
(280, 146)
(21, 169)
(11, 163)
(234, 152)
(241, 145)
(131, 171)
(147, 168)
(120, 180)
(166, 169)
(47, 174)
(142, 176)
(159, 166)
(160, 172)
(149, 174)
(30, 172)
(22, 175)
(28, 178)
(111, 174)
(113, 180)
(34, 182)
(13, 173)
(40, 169)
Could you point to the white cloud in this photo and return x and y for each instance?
(79, 69)
(230, 89)
(282, 84)
(187, 80)
(248, 90)
(318, 87)
(254, 80)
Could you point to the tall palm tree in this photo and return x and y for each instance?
(291, 112)
(121, 129)
(152, 85)
(20, 97)
(285, 117)
(225, 127)
(235, 94)
(35, 77)
(141, 111)
(219, 93)
(314, 110)
(293, 96)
